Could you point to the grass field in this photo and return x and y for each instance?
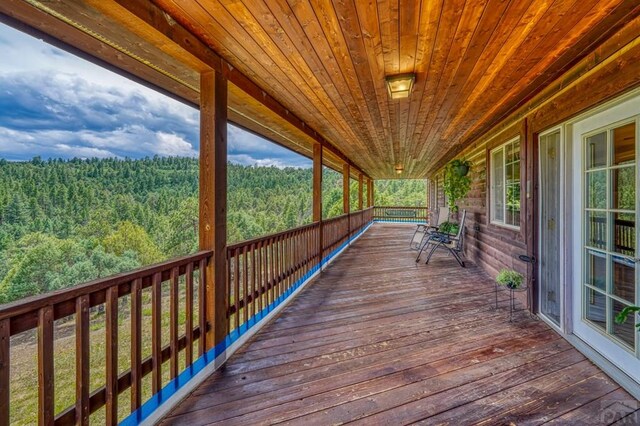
(24, 362)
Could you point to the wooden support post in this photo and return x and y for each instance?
(360, 189)
(213, 200)
(371, 194)
(345, 188)
(317, 193)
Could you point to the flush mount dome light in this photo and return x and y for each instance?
(400, 86)
(399, 169)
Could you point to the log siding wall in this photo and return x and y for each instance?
(611, 70)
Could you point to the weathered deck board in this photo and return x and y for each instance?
(378, 340)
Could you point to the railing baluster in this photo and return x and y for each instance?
(45, 367)
(136, 344)
(254, 293)
(272, 262)
(156, 333)
(202, 318)
(236, 287)
(5, 372)
(111, 344)
(245, 284)
(260, 274)
(189, 314)
(173, 322)
(82, 360)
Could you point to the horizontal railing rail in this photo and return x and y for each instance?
(401, 213)
(261, 270)
(76, 303)
(261, 273)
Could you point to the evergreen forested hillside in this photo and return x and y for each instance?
(68, 222)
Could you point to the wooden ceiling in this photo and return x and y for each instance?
(326, 61)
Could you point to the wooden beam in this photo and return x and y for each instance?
(158, 19)
(213, 199)
(28, 19)
(372, 193)
(46, 401)
(317, 182)
(5, 374)
(317, 192)
(345, 188)
(360, 189)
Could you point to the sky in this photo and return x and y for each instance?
(56, 105)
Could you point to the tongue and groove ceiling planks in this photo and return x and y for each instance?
(326, 60)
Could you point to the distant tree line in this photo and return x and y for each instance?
(64, 222)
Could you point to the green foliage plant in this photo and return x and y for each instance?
(510, 278)
(456, 186)
(448, 228)
(626, 313)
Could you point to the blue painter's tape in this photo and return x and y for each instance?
(208, 357)
(417, 221)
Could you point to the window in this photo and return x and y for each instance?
(505, 184)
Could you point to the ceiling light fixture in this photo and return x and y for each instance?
(399, 169)
(400, 86)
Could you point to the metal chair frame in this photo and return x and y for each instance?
(453, 244)
(427, 229)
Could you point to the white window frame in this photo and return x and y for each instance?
(492, 196)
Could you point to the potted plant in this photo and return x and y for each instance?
(461, 167)
(510, 278)
(448, 228)
(456, 185)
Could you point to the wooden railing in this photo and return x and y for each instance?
(263, 269)
(335, 232)
(260, 272)
(106, 297)
(624, 234)
(401, 214)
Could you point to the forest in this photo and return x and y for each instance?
(65, 222)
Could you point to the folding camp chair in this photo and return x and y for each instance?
(424, 230)
(454, 244)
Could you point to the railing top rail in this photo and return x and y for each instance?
(271, 236)
(33, 303)
(403, 207)
(336, 218)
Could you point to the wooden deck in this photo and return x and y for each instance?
(377, 340)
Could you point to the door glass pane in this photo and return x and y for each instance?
(596, 269)
(624, 144)
(497, 178)
(610, 271)
(623, 181)
(625, 332)
(597, 189)
(596, 307)
(597, 150)
(624, 233)
(624, 278)
(596, 232)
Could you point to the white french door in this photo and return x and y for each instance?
(605, 208)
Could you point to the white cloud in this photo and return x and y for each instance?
(54, 104)
(173, 145)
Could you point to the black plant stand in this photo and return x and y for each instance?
(512, 292)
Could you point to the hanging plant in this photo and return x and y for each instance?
(461, 167)
(457, 182)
